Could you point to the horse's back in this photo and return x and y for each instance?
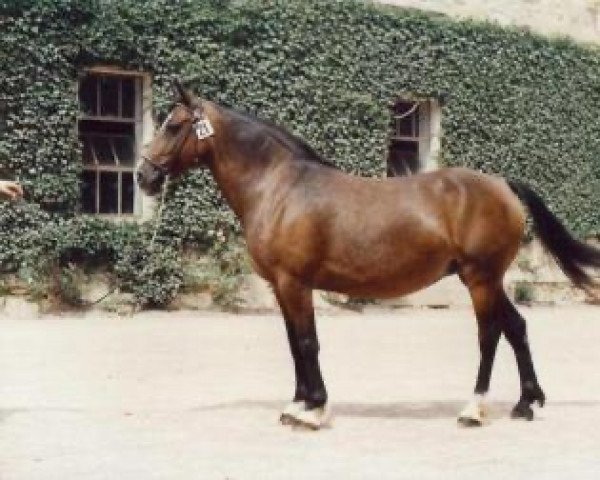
(425, 224)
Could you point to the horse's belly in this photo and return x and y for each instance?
(383, 281)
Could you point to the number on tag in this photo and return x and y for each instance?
(204, 129)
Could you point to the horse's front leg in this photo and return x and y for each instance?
(298, 402)
(309, 406)
(485, 304)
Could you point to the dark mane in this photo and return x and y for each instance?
(300, 148)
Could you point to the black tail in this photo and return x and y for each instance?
(570, 254)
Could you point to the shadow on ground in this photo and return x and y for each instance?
(406, 410)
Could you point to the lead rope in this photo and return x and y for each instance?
(157, 223)
(159, 211)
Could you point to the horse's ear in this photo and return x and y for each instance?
(185, 96)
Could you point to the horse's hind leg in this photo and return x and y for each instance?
(309, 407)
(495, 315)
(515, 331)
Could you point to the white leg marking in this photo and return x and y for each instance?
(312, 419)
(290, 411)
(475, 412)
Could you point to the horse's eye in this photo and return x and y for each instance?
(172, 128)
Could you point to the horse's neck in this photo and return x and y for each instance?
(243, 180)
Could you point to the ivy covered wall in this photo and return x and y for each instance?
(513, 103)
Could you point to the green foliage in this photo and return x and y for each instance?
(19, 224)
(64, 248)
(153, 275)
(514, 103)
(219, 272)
(524, 292)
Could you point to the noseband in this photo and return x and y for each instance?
(203, 129)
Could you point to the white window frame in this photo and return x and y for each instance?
(143, 128)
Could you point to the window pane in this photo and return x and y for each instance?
(403, 158)
(128, 106)
(109, 96)
(88, 95)
(88, 191)
(127, 193)
(406, 119)
(109, 192)
(124, 150)
(404, 126)
(102, 126)
(3, 115)
(103, 149)
(416, 119)
(88, 157)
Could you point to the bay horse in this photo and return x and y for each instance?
(309, 226)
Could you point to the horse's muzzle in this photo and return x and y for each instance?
(150, 178)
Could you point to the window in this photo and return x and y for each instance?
(110, 127)
(414, 140)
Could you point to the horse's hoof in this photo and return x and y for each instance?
(540, 398)
(474, 413)
(470, 422)
(290, 411)
(522, 410)
(304, 426)
(313, 419)
(533, 393)
(286, 419)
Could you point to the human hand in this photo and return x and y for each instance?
(11, 190)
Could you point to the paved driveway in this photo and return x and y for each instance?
(197, 396)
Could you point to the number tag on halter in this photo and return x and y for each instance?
(204, 129)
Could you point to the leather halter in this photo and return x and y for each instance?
(203, 128)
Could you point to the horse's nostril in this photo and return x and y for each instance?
(139, 177)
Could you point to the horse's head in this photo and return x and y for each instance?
(182, 142)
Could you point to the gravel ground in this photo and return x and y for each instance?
(197, 395)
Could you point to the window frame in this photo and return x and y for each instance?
(137, 122)
(425, 133)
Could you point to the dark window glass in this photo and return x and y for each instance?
(103, 149)
(407, 126)
(403, 158)
(124, 150)
(406, 119)
(128, 92)
(88, 157)
(127, 193)
(102, 126)
(88, 95)
(109, 96)
(109, 192)
(88, 192)
(3, 115)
